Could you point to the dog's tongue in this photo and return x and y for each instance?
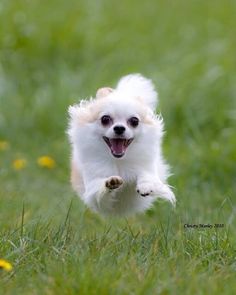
(117, 146)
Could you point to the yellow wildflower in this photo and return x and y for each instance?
(46, 162)
(5, 265)
(4, 145)
(19, 164)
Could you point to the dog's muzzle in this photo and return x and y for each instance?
(117, 146)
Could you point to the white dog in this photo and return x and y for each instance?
(117, 163)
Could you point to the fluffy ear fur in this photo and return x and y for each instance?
(137, 86)
(72, 110)
(102, 92)
(80, 113)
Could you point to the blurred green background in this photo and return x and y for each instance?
(54, 53)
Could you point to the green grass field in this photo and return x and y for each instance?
(52, 54)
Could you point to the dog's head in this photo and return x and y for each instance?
(119, 118)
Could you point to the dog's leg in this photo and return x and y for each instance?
(151, 185)
(100, 193)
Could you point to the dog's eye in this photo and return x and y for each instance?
(133, 121)
(106, 120)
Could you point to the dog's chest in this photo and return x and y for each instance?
(127, 173)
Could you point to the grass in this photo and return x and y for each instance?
(54, 53)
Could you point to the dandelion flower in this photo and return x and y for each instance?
(19, 164)
(4, 145)
(46, 162)
(5, 265)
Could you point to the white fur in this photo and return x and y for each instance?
(137, 85)
(140, 171)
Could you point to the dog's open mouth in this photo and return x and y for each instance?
(117, 146)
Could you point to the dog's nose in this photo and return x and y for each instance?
(119, 129)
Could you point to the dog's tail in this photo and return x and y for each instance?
(138, 86)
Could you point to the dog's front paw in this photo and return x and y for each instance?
(113, 182)
(145, 189)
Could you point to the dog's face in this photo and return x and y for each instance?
(121, 123)
(115, 124)
(119, 126)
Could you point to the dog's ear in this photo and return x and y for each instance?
(136, 85)
(102, 92)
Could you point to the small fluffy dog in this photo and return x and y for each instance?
(117, 163)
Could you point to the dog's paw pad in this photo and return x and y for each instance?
(113, 182)
(146, 194)
(144, 190)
